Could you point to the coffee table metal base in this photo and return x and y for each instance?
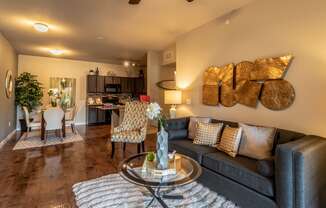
(159, 196)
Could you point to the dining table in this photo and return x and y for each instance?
(43, 125)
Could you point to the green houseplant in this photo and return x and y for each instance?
(28, 92)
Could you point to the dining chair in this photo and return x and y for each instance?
(133, 127)
(29, 121)
(72, 118)
(53, 121)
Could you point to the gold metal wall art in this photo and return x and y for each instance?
(277, 94)
(270, 68)
(248, 93)
(243, 84)
(210, 94)
(227, 96)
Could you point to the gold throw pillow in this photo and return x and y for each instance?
(230, 140)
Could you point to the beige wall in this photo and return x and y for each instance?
(45, 68)
(153, 74)
(157, 72)
(8, 61)
(263, 29)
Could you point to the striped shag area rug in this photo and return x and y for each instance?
(114, 191)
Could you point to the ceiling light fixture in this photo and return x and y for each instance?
(40, 27)
(126, 63)
(56, 52)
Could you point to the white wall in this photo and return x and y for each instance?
(8, 61)
(45, 68)
(263, 28)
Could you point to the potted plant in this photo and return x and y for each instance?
(28, 92)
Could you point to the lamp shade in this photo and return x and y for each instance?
(172, 97)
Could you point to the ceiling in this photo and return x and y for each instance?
(104, 30)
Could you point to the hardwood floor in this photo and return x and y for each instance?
(43, 177)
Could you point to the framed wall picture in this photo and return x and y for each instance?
(9, 84)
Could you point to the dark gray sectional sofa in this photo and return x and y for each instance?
(299, 179)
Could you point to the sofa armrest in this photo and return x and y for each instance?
(300, 172)
(178, 128)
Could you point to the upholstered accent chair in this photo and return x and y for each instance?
(132, 128)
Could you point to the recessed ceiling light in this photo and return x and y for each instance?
(41, 27)
(227, 22)
(56, 52)
(100, 38)
(133, 64)
(126, 63)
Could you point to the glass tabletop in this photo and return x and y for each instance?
(138, 170)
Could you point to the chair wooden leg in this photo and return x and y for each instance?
(61, 134)
(143, 146)
(113, 147)
(27, 131)
(138, 148)
(124, 146)
(45, 136)
(73, 128)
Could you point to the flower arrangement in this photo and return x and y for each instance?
(58, 97)
(154, 111)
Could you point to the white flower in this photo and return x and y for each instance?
(153, 111)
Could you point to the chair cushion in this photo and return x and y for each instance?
(127, 136)
(186, 147)
(240, 169)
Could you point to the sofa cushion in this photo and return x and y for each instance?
(240, 169)
(265, 167)
(178, 134)
(192, 128)
(186, 147)
(208, 133)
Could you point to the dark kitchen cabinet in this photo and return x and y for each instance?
(100, 84)
(101, 118)
(95, 84)
(124, 84)
(96, 116)
(91, 83)
(116, 80)
(108, 80)
(139, 86)
(131, 85)
(92, 116)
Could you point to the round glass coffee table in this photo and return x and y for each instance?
(182, 170)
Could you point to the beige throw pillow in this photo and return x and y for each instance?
(192, 128)
(208, 133)
(257, 142)
(230, 140)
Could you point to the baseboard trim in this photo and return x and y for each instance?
(4, 141)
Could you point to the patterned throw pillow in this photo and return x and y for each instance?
(208, 133)
(257, 142)
(193, 125)
(230, 140)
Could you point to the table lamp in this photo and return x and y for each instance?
(173, 98)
